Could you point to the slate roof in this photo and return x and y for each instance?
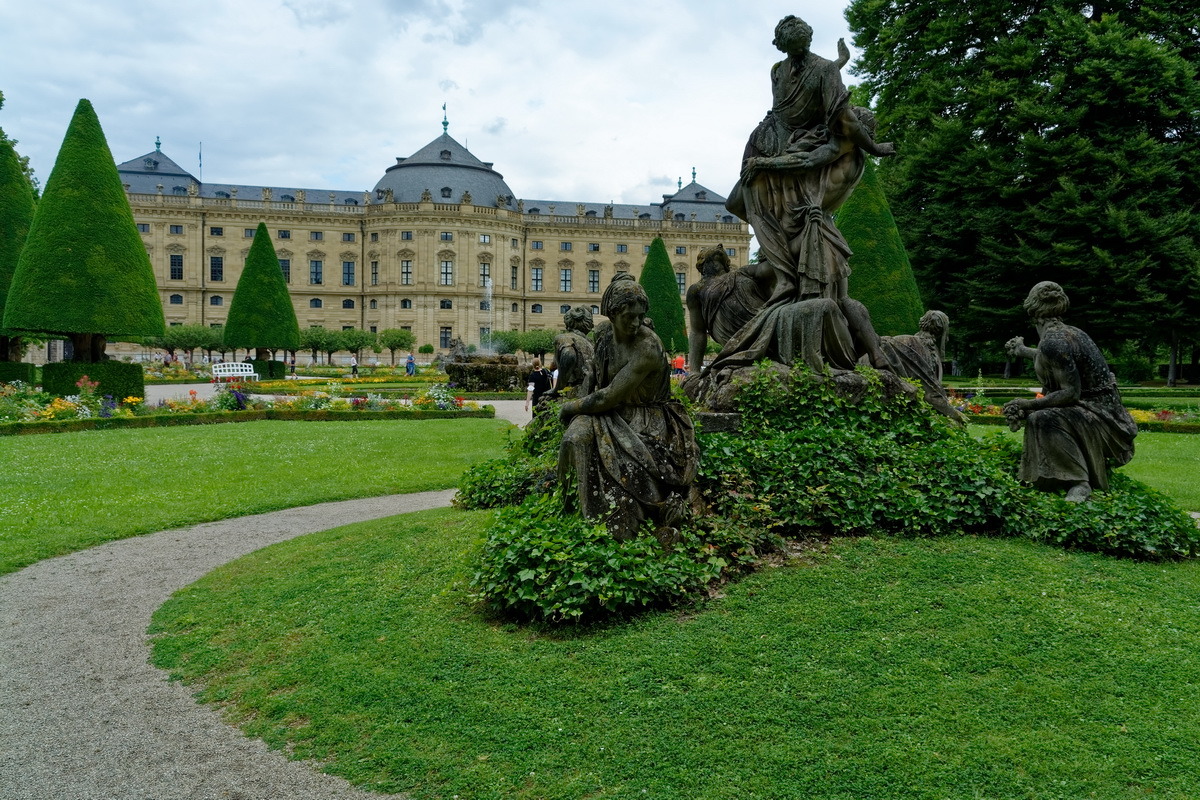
(707, 205)
(442, 165)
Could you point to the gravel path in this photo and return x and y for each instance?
(84, 716)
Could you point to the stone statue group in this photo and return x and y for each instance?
(630, 450)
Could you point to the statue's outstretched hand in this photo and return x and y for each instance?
(1015, 412)
(843, 53)
(1015, 346)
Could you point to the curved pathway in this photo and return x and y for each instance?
(84, 716)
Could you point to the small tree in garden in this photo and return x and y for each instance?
(16, 214)
(317, 339)
(84, 272)
(261, 315)
(354, 340)
(537, 342)
(394, 339)
(666, 309)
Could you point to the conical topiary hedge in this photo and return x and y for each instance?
(84, 272)
(16, 214)
(261, 314)
(666, 309)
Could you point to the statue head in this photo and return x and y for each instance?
(623, 294)
(935, 323)
(712, 261)
(618, 279)
(793, 35)
(1047, 299)
(579, 319)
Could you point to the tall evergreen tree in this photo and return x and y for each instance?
(84, 272)
(1043, 141)
(666, 309)
(16, 214)
(261, 314)
(881, 276)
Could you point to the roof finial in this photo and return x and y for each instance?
(157, 144)
(445, 121)
(679, 183)
(693, 174)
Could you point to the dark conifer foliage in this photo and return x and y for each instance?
(666, 308)
(84, 272)
(16, 214)
(261, 314)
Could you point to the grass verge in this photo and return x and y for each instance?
(944, 668)
(65, 493)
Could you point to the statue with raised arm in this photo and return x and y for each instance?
(1077, 429)
(629, 448)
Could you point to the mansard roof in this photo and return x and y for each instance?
(446, 170)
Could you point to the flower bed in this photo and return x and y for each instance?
(24, 409)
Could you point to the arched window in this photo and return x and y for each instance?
(537, 308)
(350, 201)
(374, 304)
(406, 303)
(178, 190)
(288, 198)
(564, 308)
(223, 195)
(447, 191)
(176, 299)
(514, 308)
(347, 304)
(216, 300)
(445, 154)
(535, 211)
(315, 303)
(643, 216)
(595, 309)
(446, 304)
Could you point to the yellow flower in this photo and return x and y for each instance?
(131, 401)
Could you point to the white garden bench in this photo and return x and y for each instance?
(234, 370)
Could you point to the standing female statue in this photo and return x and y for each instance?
(1078, 427)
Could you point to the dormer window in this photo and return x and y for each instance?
(178, 190)
(702, 196)
(447, 191)
(643, 216)
(288, 198)
(350, 201)
(445, 155)
(535, 211)
(590, 214)
(150, 164)
(224, 195)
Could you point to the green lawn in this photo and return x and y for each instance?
(64, 492)
(875, 668)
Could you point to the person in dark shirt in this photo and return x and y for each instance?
(539, 382)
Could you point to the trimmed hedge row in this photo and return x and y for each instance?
(11, 371)
(116, 378)
(218, 417)
(1155, 427)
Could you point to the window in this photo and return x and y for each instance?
(374, 304)
(216, 300)
(514, 243)
(484, 333)
(282, 234)
(681, 251)
(316, 271)
(485, 238)
(535, 245)
(216, 231)
(406, 303)
(374, 237)
(564, 280)
(315, 303)
(535, 279)
(347, 304)
(176, 299)
(287, 198)
(316, 236)
(731, 252)
(347, 237)
(485, 305)
(512, 277)
(446, 191)
(485, 274)
(143, 227)
(248, 233)
(446, 304)
(564, 246)
(406, 236)
(176, 229)
(536, 308)
(593, 280)
(406, 273)
(514, 308)
(595, 309)
(176, 266)
(447, 236)
(374, 329)
(347, 273)
(645, 249)
(444, 337)
(285, 266)
(593, 247)
(564, 308)
(374, 273)
(622, 248)
(447, 274)
(681, 279)
(216, 268)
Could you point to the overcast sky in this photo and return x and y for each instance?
(578, 101)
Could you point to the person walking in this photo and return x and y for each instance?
(537, 384)
(353, 366)
(410, 366)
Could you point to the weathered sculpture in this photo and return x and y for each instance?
(1078, 428)
(573, 352)
(630, 447)
(723, 301)
(919, 356)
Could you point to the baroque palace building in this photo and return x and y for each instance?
(441, 246)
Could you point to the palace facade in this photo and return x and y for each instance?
(440, 246)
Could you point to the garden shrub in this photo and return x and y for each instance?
(11, 371)
(116, 379)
